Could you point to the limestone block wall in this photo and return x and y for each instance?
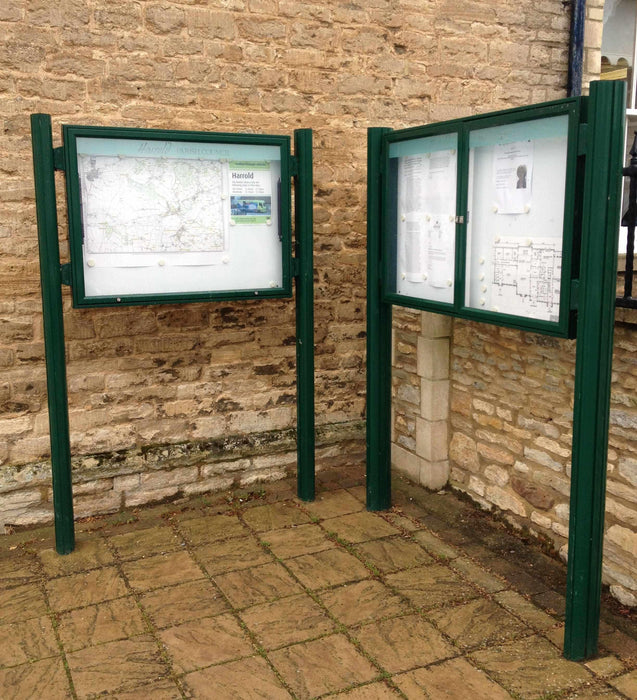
(149, 377)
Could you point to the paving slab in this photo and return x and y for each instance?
(393, 554)
(199, 643)
(186, 601)
(531, 667)
(274, 516)
(88, 588)
(109, 668)
(325, 665)
(331, 505)
(287, 621)
(296, 541)
(362, 602)
(455, 679)
(327, 568)
(248, 679)
(259, 584)
(402, 643)
(96, 624)
(27, 641)
(42, 679)
(255, 594)
(431, 586)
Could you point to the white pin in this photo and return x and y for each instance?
(226, 260)
(268, 222)
(90, 262)
(161, 263)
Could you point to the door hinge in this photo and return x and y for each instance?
(582, 140)
(294, 166)
(58, 158)
(574, 295)
(65, 274)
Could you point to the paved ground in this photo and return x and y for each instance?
(258, 595)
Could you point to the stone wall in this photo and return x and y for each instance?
(168, 375)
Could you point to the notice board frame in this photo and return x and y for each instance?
(282, 195)
(574, 110)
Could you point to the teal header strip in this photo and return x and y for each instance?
(193, 150)
(427, 144)
(532, 130)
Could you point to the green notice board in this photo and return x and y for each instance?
(478, 216)
(161, 216)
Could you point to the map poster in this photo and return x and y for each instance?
(250, 192)
(136, 206)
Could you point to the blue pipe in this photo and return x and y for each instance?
(576, 49)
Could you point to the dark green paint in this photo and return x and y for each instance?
(379, 320)
(50, 275)
(593, 366)
(304, 263)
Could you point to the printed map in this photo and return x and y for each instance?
(151, 205)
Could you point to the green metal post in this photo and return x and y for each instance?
(304, 224)
(593, 366)
(378, 340)
(45, 204)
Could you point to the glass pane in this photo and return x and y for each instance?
(423, 176)
(161, 216)
(517, 179)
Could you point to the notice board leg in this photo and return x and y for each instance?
(378, 341)
(304, 223)
(593, 368)
(50, 276)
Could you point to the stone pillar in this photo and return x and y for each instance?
(421, 397)
(431, 425)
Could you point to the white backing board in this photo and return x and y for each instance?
(163, 217)
(515, 212)
(426, 216)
